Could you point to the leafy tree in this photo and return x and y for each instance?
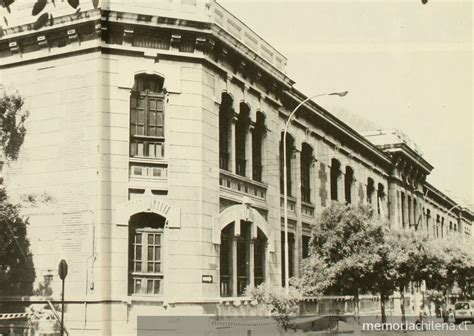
(282, 303)
(343, 253)
(457, 268)
(16, 265)
(12, 123)
(42, 11)
(413, 259)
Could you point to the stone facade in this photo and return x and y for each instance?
(81, 185)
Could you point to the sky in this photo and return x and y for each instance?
(406, 66)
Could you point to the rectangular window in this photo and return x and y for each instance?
(147, 271)
(148, 171)
(147, 125)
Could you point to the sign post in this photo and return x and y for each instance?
(62, 271)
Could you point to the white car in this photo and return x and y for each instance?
(464, 311)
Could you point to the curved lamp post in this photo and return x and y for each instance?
(285, 169)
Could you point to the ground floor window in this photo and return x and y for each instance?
(242, 259)
(291, 256)
(145, 254)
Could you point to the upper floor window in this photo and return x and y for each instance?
(370, 189)
(380, 198)
(348, 180)
(225, 120)
(145, 269)
(290, 143)
(306, 161)
(335, 173)
(147, 117)
(257, 146)
(409, 211)
(241, 130)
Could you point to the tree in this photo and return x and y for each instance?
(42, 11)
(16, 265)
(458, 266)
(12, 123)
(281, 303)
(343, 252)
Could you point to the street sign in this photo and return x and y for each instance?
(207, 279)
(62, 270)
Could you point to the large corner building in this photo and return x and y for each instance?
(153, 160)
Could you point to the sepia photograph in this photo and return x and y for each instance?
(236, 167)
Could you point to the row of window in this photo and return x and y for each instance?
(241, 125)
(306, 162)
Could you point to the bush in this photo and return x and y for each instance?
(282, 304)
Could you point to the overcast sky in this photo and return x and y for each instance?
(407, 66)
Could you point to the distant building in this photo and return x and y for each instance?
(154, 159)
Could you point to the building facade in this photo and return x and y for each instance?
(153, 161)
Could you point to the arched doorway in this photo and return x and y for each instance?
(245, 240)
(249, 254)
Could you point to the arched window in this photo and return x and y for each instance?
(348, 180)
(335, 173)
(147, 117)
(380, 198)
(306, 162)
(257, 146)
(241, 130)
(290, 144)
(436, 229)
(403, 209)
(145, 270)
(442, 227)
(409, 211)
(428, 216)
(242, 259)
(370, 190)
(225, 120)
(416, 220)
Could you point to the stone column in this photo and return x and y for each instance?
(251, 273)
(234, 266)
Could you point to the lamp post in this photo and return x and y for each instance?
(285, 185)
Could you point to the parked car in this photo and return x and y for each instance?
(464, 311)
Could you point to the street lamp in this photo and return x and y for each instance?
(285, 186)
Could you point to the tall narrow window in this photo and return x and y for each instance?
(348, 180)
(428, 215)
(335, 173)
(306, 162)
(289, 154)
(145, 254)
(380, 198)
(442, 227)
(409, 211)
(415, 213)
(225, 120)
(403, 209)
(147, 117)
(370, 190)
(241, 130)
(257, 146)
(436, 229)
